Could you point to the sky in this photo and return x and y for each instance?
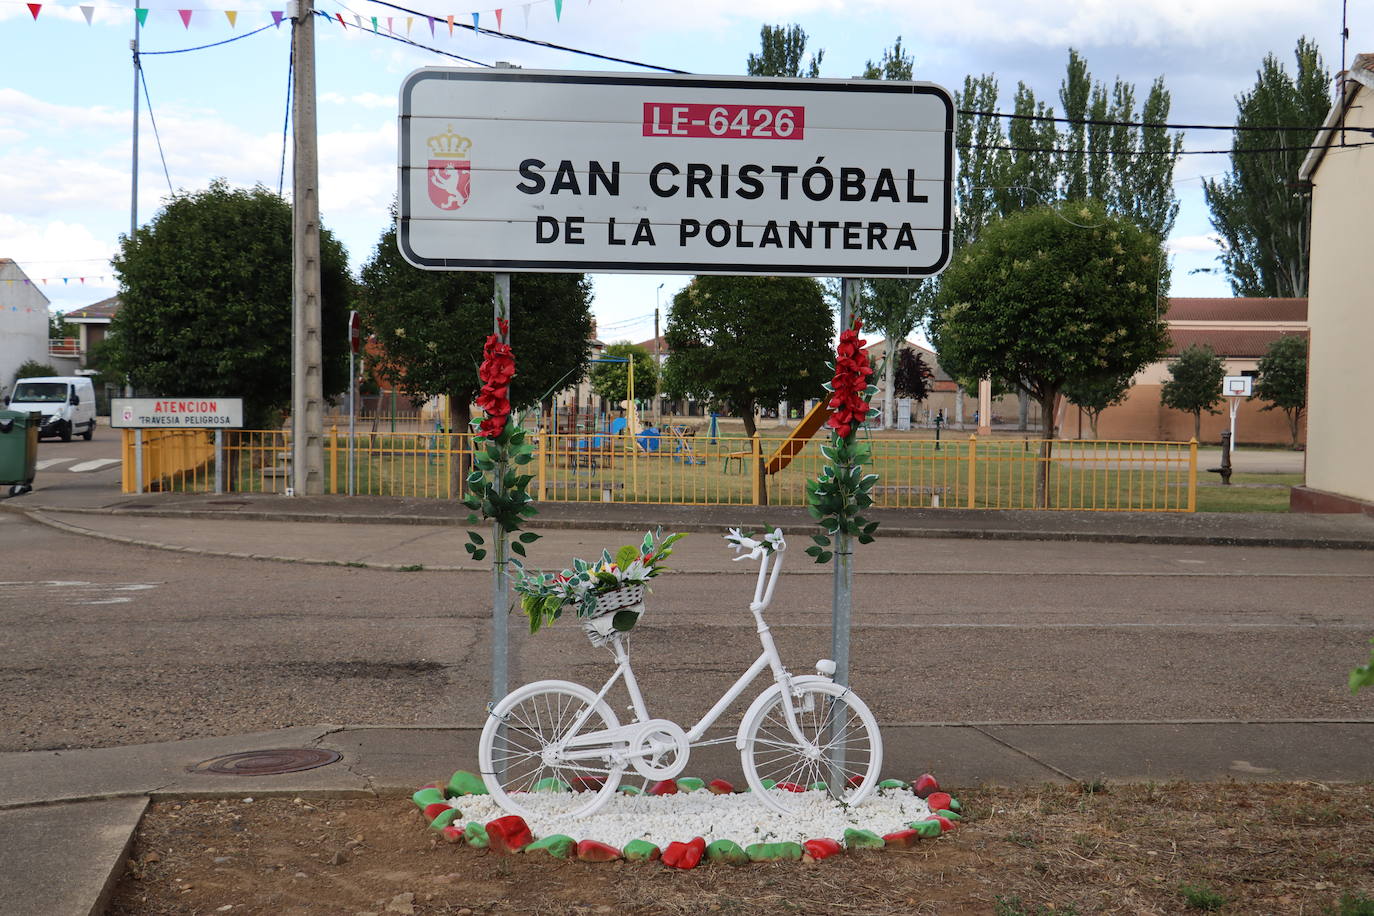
(66, 97)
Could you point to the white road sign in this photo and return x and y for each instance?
(525, 170)
(176, 413)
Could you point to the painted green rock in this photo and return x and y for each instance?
(774, 852)
(631, 790)
(552, 784)
(476, 836)
(819, 787)
(465, 783)
(955, 806)
(690, 783)
(926, 829)
(894, 784)
(559, 846)
(862, 839)
(444, 819)
(948, 814)
(770, 783)
(728, 852)
(426, 797)
(640, 850)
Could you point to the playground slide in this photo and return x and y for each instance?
(794, 443)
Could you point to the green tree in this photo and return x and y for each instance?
(1283, 380)
(1261, 217)
(205, 301)
(1044, 301)
(894, 308)
(983, 159)
(1194, 384)
(612, 380)
(895, 64)
(430, 326)
(781, 53)
(32, 368)
(59, 327)
(1095, 394)
(742, 342)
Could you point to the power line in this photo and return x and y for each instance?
(213, 44)
(286, 119)
(1098, 122)
(143, 78)
(1153, 152)
(509, 36)
(403, 40)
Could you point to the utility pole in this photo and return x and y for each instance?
(307, 387)
(133, 195)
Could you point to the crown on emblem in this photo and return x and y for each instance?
(449, 145)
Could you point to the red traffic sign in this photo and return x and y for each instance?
(355, 331)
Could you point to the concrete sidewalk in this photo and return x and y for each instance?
(55, 802)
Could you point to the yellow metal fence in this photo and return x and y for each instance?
(699, 470)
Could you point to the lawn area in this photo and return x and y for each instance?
(1247, 493)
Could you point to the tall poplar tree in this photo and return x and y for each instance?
(782, 50)
(1257, 209)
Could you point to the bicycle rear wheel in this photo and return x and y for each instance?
(843, 755)
(521, 752)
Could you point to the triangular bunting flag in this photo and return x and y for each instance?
(142, 14)
(83, 279)
(525, 8)
(498, 20)
(87, 11)
(339, 16)
(558, 10)
(358, 20)
(233, 17)
(389, 28)
(410, 21)
(374, 23)
(475, 26)
(64, 280)
(185, 18)
(431, 26)
(276, 18)
(450, 27)
(34, 8)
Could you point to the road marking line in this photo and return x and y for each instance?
(94, 465)
(50, 462)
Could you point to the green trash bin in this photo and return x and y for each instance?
(18, 449)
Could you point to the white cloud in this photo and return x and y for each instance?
(1204, 244)
(361, 100)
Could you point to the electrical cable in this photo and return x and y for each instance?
(1096, 122)
(1150, 152)
(532, 41)
(143, 78)
(286, 119)
(407, 41)
(214, 44)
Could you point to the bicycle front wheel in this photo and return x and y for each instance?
(842, 754)
(525, 758)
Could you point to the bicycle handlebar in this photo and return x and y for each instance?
(768, 549)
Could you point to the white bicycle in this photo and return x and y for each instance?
(556, 748)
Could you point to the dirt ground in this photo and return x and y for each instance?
(1270, 848)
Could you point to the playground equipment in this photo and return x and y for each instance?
(782, 456)
(557, 748)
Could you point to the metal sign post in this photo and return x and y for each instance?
(500, 585)
(354, 340)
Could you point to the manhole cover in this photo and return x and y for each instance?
(267, 763)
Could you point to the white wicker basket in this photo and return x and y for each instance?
(620, 598)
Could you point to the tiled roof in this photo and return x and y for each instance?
(1239, 308)
(1247, 344)
(105, 309)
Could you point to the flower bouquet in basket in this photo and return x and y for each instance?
(611, 589)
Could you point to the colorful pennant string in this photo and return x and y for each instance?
(276, 18)
(233, 17)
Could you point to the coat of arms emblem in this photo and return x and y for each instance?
(450, 170)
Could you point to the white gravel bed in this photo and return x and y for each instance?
(740, 817)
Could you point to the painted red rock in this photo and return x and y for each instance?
(719, 787)
(924, 785)
(945, 823)
(666, 787)
(509, 834)
(902, 839)
(938, 800)
(790, 787)
(453, 833)
(684, 855)
(434, 810)
(822, 848)
(592, 851)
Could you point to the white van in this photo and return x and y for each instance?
(66, 402)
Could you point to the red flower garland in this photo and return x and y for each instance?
(849, 384)
(498, 366)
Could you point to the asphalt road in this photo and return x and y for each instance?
(104, 644)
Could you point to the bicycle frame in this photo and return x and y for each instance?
(769, 658)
